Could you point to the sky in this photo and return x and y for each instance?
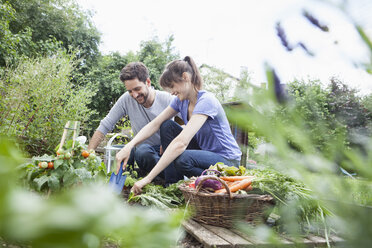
(236, 34)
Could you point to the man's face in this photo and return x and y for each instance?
(138, 90)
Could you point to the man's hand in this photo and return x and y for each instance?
(123, 156)
(161, 150)
(137, 187)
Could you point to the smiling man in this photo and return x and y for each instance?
(141, 103)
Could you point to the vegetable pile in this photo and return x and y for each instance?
(232, 176)
(263, 181)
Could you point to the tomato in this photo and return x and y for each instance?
(85, 154)
(92, 156)
(60, 152)
(192, 185)
(43, 165)
(67, 155)
(50, 165)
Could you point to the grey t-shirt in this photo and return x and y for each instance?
(138, 115)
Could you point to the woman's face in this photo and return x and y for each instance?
(181, 89)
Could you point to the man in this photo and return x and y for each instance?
(142, 103)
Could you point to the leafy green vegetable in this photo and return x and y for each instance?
(158, 196)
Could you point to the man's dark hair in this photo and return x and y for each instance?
(134, 70)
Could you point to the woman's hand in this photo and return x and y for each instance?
(123, 156)
(137, 187)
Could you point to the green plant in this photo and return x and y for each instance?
(294, 130)
(220, 83)
(155, 55)
(155, 195)
(37, 98)
(83, 216)
(70, 168)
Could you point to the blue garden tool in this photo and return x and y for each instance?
(116, 182)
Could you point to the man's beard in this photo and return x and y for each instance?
(145, 97)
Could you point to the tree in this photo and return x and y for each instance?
(220, 83)
(59, 20)
(155, 55)
(104, 77)
(11, 44)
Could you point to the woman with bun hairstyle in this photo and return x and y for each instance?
(206, 137)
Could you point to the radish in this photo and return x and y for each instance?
(209, 183)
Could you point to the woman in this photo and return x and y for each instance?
(206, 138)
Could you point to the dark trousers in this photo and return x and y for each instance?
(193, 161)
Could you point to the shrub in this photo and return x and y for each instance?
(37, 98)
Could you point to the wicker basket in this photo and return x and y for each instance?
(224, 209)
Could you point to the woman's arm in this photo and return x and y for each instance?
(174, 149)
(148, 130)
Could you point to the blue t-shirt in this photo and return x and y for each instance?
(215, 135)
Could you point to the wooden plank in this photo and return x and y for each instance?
(254, 240)
(214, 236)
(336, 240)
(284, 242)
(318, 241)
(234, 239)
(204, 236)
(302, 241)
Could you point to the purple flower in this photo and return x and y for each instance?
(315, 21)
(283, 38)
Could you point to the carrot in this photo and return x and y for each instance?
(236, 178)
(237, 186)
(241, 185)
(229, 184)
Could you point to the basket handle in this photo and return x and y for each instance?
(214, 178)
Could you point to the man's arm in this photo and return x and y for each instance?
(97, 138)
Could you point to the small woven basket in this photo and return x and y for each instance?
(221, 209)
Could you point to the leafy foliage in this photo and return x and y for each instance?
(349, 109)
(311, 104)
(310, 144)
(61, 20)
(155, 55)
(224, 86)
(338, 108)
(104, 77)
(80, 217)
(37, 98)
(70, 169)
(155, 195)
